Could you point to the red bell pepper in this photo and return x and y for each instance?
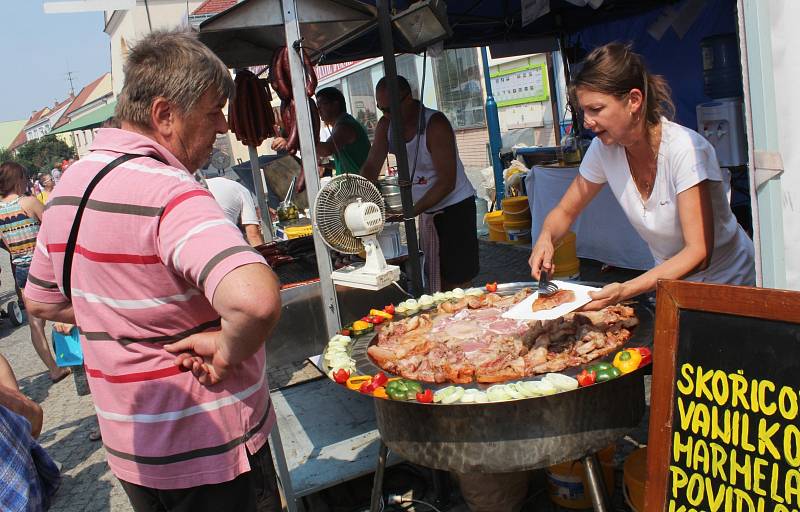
(389, 309)
(425, 397)
(587, 378)
(367, 387)
(341, 375)
(373, 319)
(345, 332)
(647, 355)
(380, 379)
(491, 287)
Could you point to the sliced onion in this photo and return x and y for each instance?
(529, 388)
(561, 382)
(498, 393)
(439, 395)
(512, 389)
(453, 397)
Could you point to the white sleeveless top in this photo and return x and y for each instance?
(422, 171)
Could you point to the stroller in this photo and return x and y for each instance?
(13, 313)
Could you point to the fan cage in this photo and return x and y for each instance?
(329, 207)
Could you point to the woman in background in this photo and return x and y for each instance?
(20, 217)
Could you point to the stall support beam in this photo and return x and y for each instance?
(261, 195)
(376, 501)
(309, 152)
(493, 123)
(551, 79)
(390, 70)
(596, 485)
(762, 135)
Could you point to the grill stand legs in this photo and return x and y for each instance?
(594, 479)
(377, 482)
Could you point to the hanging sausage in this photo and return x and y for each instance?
(280, 78)
(250, 115)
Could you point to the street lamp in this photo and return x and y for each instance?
(422, 24)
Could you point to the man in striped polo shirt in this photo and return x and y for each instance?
(163, 283)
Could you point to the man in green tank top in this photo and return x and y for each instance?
(348, 144)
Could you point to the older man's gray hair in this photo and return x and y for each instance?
(173, 65)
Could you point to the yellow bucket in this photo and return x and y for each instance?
(495, 222)
(634, 479)
(565, 258)
(516, 208)
(567, 485)
(518, 231)
(298, 231)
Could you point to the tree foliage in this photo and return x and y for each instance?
(42, 154)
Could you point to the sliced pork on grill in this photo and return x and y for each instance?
(469, 340)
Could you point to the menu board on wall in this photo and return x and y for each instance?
(725, 404)
(525, 84)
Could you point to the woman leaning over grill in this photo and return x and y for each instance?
(665, 177)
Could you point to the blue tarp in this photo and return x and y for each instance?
(678, 59)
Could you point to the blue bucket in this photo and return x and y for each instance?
(722, 70)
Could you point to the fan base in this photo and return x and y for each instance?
(353, 276)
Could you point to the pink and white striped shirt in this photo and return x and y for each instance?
(153, 246)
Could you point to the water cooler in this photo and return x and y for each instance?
(721, 121)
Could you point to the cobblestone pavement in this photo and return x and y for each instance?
(87, 482)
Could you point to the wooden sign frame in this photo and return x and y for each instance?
(672, 297)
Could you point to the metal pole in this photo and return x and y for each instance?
(377, 482)
(309, 160)
(551, 79)
(390, 70)
(283, 469)
(594, 479)
(493, 123)
(261, 195)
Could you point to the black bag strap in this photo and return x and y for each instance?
(73, 232)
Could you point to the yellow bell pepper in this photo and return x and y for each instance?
(627, 360)
(355, 381)
(380, 392)
(381, 313)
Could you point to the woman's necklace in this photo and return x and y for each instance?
(645, 184)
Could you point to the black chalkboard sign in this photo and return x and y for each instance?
(725, 402)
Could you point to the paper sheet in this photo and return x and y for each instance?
(524, 311)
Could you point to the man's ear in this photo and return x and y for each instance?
(162, 116)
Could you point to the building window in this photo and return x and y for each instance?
(362, 100)
(458, 88)
(407, 67)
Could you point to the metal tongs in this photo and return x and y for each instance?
(546, 286)
(289, 194)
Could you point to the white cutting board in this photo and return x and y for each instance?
(524, 311)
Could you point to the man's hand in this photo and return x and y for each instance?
(279, 144)
(63, 328)
(203, 355)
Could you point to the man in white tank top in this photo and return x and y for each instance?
(443, 196)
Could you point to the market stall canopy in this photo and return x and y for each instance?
(490, 23)
(346, 30)
(247, 33)
(90, 120)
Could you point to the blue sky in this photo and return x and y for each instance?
(37, 51)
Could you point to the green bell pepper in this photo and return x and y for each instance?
(403, 389)
(608, 374)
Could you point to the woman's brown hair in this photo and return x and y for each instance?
(615, 69)
(12, 175)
